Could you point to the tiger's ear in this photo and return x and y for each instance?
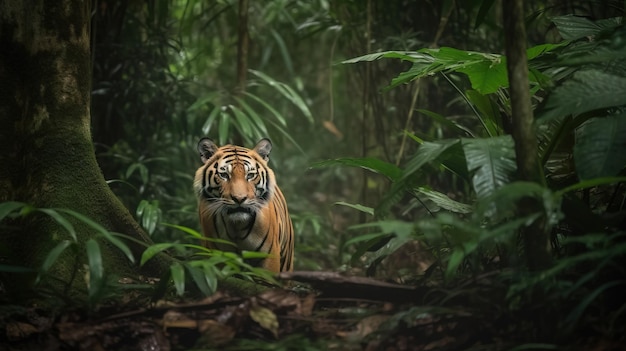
(206, 148)
(263, 148)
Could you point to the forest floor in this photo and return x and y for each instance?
(340, 313)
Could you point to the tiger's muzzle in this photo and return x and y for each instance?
(240, 214)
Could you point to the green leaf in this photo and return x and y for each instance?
(96, 267)
(206, 128)
(485, 6)
(426, 153)
(287, 92)
(493, 162)
(200, 249)
(141, 207)
(399, 228)
(489, 114)
(487, 76)
(111, 237)
(150, 214)
(430, 61)
(573, 27)
(199, 277)
(357, 207)
(85, 220)
(537, 51)
(143, 171)
(60, 220)
(245, 254)
(599, 149)
(257, 123)
(223, 127)
(455, 260)
(283, 51)
(587, 90)
(503, 203)
(243, 121)
(192, 232)
(153, 250)
(404, 55)
(210, 277)
(585, 184)
(203, 101)
(444, 201)
(365, 238)
(375, 165)
(446, 122)
(279, 117)
(178, 277)
(54, 254)
(8, 207)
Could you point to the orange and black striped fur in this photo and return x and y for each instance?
(239, 201)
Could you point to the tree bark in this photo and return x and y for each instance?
(243, 43)
(46, 153)
(242, 47)
(536, 239)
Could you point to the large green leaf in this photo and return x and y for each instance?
(403, 55)
(486, 72)
(599, 150)
(493, 162)
(487, 76)
(449, 123)
(429, 152)
(442, 200)
(573, 27)
(426, 153)
(587, 90)
(286, 91)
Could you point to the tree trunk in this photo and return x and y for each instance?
(243, 43)
(46, 153)
(536, 239)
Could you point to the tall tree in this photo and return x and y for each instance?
(537, 243)
(46, 153)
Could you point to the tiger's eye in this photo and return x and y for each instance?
(223, 175)
(250, 175)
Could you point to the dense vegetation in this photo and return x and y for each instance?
(394, 146)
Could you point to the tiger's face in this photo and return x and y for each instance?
(239, 202)
(234, 181)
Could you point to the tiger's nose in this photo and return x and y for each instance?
(238, 199)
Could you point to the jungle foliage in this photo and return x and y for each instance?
(393, 130)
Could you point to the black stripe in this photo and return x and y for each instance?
(215, 228)
(250, 227)
(258, 249)
(229, 157)
(204, 177)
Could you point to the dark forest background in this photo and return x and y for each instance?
(394, 144)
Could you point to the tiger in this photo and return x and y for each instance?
(239, 201)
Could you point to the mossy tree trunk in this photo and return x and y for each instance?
(46, 153)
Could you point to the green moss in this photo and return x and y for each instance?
(46, 151)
